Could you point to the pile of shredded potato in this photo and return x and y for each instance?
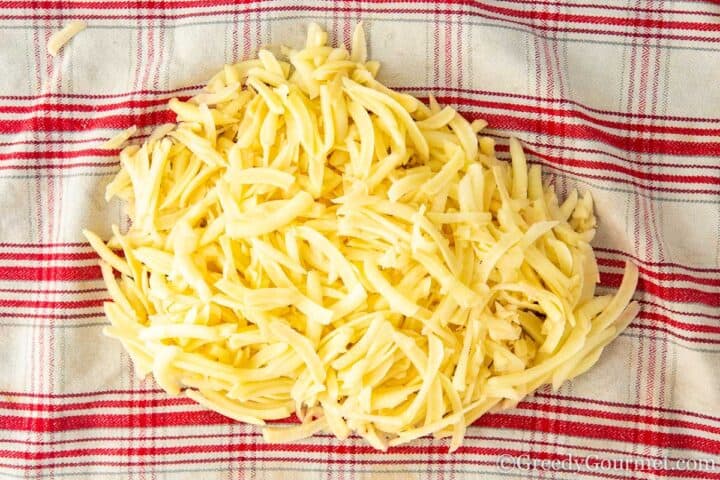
(308, 240)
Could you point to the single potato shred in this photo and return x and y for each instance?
(306, 240)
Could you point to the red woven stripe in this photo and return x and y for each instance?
(629, 160)
(660, 275)
(698, 314)
(605, 403)
(540, 394)
(692, 327)
(619, 416)
(236, 446)
(58, 154)
(508, 16)
(630, 126)
(82, 107)
(676, 326)
(53, 291)
(44, 244)
(163, 95)
(50, 317)
(61, 167)
(120, 404)
(671, 294)
(48, 256)
(644, 128)
(645, 261)
(648, 178)
(495, 420)
(637, 435)
(53, 124)
(433, 467)
(50, 274)
(663, 338)
(165, 401)
(243, 436)
(534, 14)
(178, 5)
(54, 304)
(657, 146)
(619, 8)
(635, 153)
(91, 272)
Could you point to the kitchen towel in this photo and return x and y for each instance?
(620, 98)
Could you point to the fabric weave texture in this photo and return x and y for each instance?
(620, 98)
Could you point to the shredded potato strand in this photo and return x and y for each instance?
(61, 37)
(306, 239)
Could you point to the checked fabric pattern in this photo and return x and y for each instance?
(621, 98)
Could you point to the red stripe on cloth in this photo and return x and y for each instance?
(87, 405)
(698, 314)
(662, 264)
(489, 14)
(659, 275)
(674, 294)
(543, 393)
(179, 5)
(692, 327)
(632, 22)
(619, 416)
(610, 261)
(675, 327)
(54, 304)
(132, 94)
(571, 173)
(53, 291)
(50, 274)
(50, 141)
(91, 393)
(588, 132)
(597, 152)
(79, 422)
(241, 445)
(167, 401)
(50, 316)
(36, 108)
(640, 408)
(54, 124)
(52, 167)
(663, 340)
(646, 174)
(537, 15)
(49, 256)
(649, 179)
(576, 114)
(165, 94)
(44, 244)
(242, 436)
(92, 272)
(620, 8)
(599, 431)
(341, 467)
(569, 104)
(584, 429)
(58, 154)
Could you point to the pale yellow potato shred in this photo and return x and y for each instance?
(306, 240)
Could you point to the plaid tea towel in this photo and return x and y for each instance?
(621, 98)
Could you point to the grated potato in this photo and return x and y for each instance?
(307, 240)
